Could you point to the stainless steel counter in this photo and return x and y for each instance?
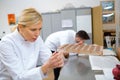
(77, 68)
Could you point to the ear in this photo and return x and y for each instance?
(20, 26)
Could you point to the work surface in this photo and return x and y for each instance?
(77, 68)
(83, 68)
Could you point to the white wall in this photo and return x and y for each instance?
(15, 6)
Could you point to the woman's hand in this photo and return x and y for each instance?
(56, 60)
(65, 53)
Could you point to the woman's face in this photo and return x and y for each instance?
(30, 33)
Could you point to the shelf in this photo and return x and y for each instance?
(108, 5)
(108, 12)
(109, 31)
(108, 22)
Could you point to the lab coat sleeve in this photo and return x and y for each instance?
(44, 53)
(14, 65)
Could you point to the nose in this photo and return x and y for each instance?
(80, 42)
(37, 33)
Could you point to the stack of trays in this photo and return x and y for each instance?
(82, 49)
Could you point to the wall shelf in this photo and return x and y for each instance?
(108, 20)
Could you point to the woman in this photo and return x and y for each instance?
(20, 50)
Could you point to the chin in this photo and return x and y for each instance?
(31, 40)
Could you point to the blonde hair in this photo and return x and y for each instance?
(29, 17)
(14, 28)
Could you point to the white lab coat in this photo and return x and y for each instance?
(54, 40)
(18, 58)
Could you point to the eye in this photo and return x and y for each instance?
(77, 41)
(36, 29)
(33, 29)
(40, 29)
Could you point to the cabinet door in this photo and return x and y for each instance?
(84, 21)
(69, 16)
(47, 25)
(56, 22)
(97, 25)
